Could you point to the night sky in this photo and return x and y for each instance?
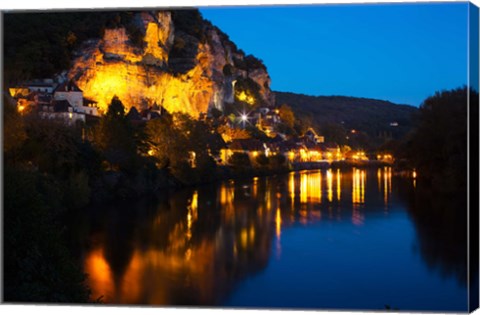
(397, 52)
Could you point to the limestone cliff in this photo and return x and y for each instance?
(181, 63)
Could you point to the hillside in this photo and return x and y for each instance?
(373, 121)
(170, 58)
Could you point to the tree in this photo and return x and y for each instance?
(184, 146)
(13, 129)
(38, 266)
(262, 160)
(334, 132)
(438, 146)
(239, 160)
(115, 138)
(286, 115)
(277, 161)
(167, 145)
(52, 147)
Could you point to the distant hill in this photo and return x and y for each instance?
(374, 122)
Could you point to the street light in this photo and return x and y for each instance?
(243, 118)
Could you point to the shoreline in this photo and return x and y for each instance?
(106, 191)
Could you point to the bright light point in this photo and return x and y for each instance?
(244, 117)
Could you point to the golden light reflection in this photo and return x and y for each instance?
(192, 213)
(339, 185)
(227, 195)
(387, 184)
(278, 231)
(100, 276)
(414, 176)
(291, 188)
(130, 289)
(389, 180)
(379, 179)
(268, 198)
(278, 223)
(251, 233)
(255, 187)
(244, 238)
(303, 187)
(156, 266)
(329, 185)
(358, 187)
(362, 186)
(310, 187)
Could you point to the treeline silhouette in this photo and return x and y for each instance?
(334, 117)
(437, 147)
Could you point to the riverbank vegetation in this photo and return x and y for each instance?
(437, 146)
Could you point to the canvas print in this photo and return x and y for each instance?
(318, 157)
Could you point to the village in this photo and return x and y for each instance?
(62, 100)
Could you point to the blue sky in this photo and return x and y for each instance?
(397, 52)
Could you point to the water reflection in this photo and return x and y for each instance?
(441, 221)
(339, 184)
(193, 247)
(358, 187)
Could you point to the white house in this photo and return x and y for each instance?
(70, 92)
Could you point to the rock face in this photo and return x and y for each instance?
(182, 67)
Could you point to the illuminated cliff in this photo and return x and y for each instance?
(180, 70)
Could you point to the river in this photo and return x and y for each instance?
(326, 239)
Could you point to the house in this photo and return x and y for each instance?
(42, 86)
(251, 147)
(70, 92)
(61, 111)
(90, 107)
(311, 136)
(332, 152)
(311, 152)
(356, 156)
(290, 149)
(30, 94)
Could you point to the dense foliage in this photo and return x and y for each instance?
(39, 45)
(336, 116)
(115, 139)
(38, 266)
(39, 187)
(438, 146)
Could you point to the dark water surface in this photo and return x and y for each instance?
(327, 239)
